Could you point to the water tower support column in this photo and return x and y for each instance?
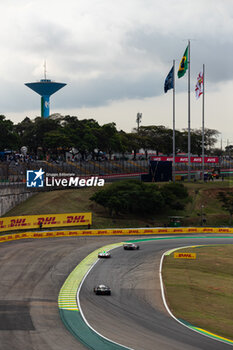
(45, 104)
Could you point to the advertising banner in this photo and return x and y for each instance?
(185, 255)
(41, 221)
(214, 160)
(114, 232)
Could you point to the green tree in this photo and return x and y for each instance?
(125, 144)
(229, 150)
(9, 138)
(130, 197)
(134, 142)
(83, 134)
(34, 133)
(109, 140)
(56, 141)
(88, 137)
(156, 137)
(136, 197)
(175, 195)
(23, 127)
(210, 138)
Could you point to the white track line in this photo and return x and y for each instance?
(165, 303)
(80, 309)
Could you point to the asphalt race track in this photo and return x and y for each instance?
(31, 275)
(33, 271)
(134, 315)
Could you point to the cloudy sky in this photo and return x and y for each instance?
(114, 57)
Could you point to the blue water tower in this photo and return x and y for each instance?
(45, 88)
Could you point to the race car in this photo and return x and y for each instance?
(130, 246)
(102, 290)
(104, 255)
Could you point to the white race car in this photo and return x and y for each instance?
(130, 246)
(104, 255)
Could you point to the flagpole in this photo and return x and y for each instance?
(174, 128)
(189, 137)
(203, 124)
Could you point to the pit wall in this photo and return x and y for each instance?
(114, 232)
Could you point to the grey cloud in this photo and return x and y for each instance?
(90, 93)
(137, 71)
(43, 36)
(213, 51)
(101, 91)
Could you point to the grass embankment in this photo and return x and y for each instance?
(74, 201)
(200, 291)
(204, 198)
(70, 201)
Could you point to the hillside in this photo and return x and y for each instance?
(70, 201)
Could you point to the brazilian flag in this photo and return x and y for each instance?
(183, 64)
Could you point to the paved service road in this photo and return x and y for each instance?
(31, 275)
(134, 315)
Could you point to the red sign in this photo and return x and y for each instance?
(18, 222)
(211, 160)
(49, 220)
(185, 159)
(75, 219)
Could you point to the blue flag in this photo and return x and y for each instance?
(169, 81)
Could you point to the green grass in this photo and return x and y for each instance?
(75, 201)
(70, 201)
(200, 291)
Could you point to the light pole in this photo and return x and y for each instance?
(138, 119)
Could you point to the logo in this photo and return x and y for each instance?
(38, 179)
(73, 219)
(35, 178)
(185, 255)
(182, 63)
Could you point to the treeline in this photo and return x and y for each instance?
(89, 138)
(136, 197)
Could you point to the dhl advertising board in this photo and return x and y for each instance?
(49, 220)
(185, 255)
(113, 232)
